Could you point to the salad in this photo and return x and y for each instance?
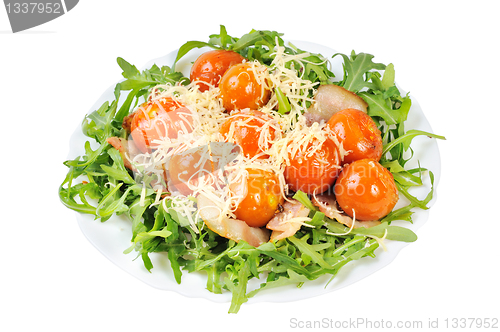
(258, 164)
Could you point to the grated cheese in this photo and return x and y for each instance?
(282, 137)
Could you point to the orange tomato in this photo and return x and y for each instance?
(262, 198)
(248, 128)
(185, 169)
(211, 66)
(158, 119)
(365, 189)
(240, 89)
(316, 173)
(358, 134)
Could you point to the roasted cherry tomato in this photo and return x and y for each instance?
(366, 190)
(157, 119)
(211, 66)
(187, 168)
(313, 174)
(358, 134)
(240, 89)
(246, 128)
(263, 195)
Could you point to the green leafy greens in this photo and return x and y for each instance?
(99, 184)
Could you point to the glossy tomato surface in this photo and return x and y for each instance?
(157, 119)
(262, 198)
(246, 128)
(358, 134)
(313, 174)
(366, 190)
(240, 88)
(186, 169)
(211, 66)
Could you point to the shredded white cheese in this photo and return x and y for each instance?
(281, 137)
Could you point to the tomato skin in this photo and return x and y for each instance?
(358, 133)
(316, 173)
(240, 89)
(158, 119)
(262, 198)
(248, 126)
(368, 188)
(211, 66)
(187, 168)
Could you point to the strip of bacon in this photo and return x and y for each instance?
(286, 223)
(233, 229)
(330, 99)
(328, 205)
(127, 122)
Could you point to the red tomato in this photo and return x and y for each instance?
(316, 173)
(365, 189)
(240, 89)
(262, 198)
(210, 66)
(358, 133)
(157, 119)
(248, 128)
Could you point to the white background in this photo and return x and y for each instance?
(445, 53)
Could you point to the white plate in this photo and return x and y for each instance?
(112, 237)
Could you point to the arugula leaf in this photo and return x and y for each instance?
(239, 290)
(395, 233)
(285, 260)
(317, 219)
(380, 106)
(67, 197)
(284, 104)
(291, 278)
(389, 77)
(307, 249)
(406, 139)
(141, 237)
(403, 213)
(257, 38)
(356, 67)
(213, 278)
(134, 78)
(127, 104)
(113, 202)
(188, 46)
(304, 200)
(147, 261)
(173, 256)
(118, 170)
(415, 202)
(136, 213)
